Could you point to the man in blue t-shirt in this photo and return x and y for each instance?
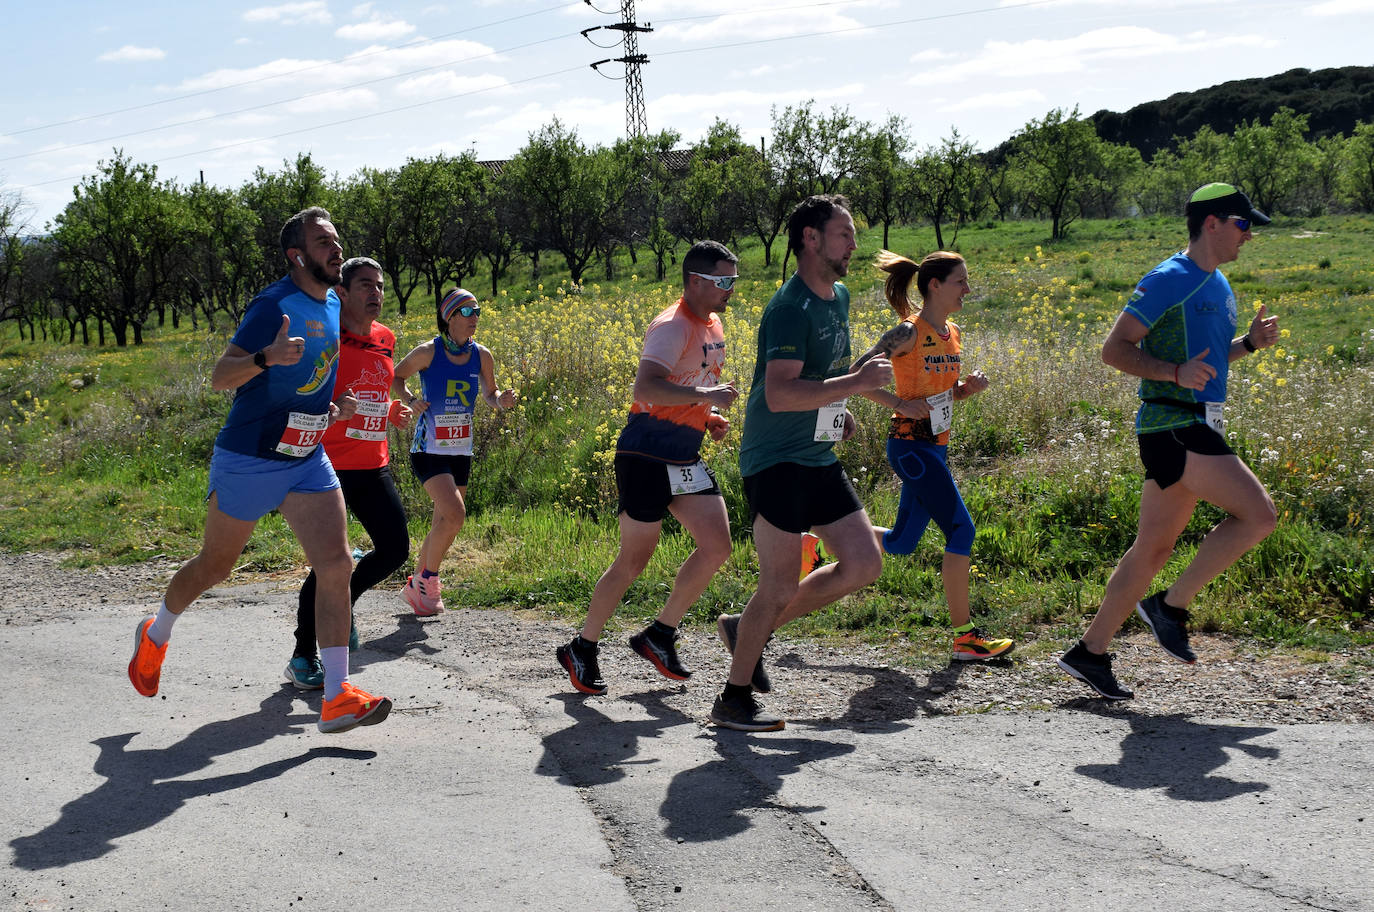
(1176, 335)
(281, 364)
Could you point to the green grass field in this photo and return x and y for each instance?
(115, 471)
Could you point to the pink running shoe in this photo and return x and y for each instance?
(422, 595)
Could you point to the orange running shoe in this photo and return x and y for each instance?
(145, 668)
(811, 553)
(973, 647)
(351, 708)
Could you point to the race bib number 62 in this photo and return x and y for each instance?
(830, 422)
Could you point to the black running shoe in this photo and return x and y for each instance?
(583, 670)
(661, 655)
(727, 626)
(1093, 670)
(1168, 624)
(744, 713)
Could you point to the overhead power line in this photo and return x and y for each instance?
(354, 58)
(551, 74)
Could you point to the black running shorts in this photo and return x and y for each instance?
(796, 498)
(643, 489)
(1164, 453)
(428, 465)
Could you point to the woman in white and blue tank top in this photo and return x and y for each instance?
(454, 370)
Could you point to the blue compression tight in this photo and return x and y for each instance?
(928, 492)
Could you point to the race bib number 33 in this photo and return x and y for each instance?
(941, 411)
(302, 434)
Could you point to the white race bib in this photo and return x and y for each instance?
(302, 434)
(453, 434)
(830, 422)
(688, 479)
(1216, 418)
(369, 422)
(941, 411)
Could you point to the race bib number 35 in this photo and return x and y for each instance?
(303, 433)
(830, 422)
(369, 422)
(688, 479)
(453, 434)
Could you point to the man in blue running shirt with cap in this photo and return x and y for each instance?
(1176, 333)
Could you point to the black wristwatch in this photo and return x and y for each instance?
(260, 359)
(1245, 341)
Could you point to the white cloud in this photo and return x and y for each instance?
(362, 10)
(335, 105)
(1040, 56)
(446, 83)
(932, 55)
(1017, 98)
(311, 12)
(131, 54)
(375, 29)
(748, 20)
(1341, 8)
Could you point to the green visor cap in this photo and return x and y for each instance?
(1222, 200)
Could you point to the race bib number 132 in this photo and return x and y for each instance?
(303, 433)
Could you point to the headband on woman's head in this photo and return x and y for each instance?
(456, 299)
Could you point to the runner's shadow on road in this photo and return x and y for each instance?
(888, 704)
(711, 802)
(595, 749)
(1181, 757)
(142, 788)
(410, 635)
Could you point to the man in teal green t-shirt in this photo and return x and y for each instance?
(795, 415)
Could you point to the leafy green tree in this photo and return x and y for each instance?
(500, 221)
(642, 178)
(222, 258)
(1357, 168)
(276, 196)
(1058, 161)
(882, 173)
(1268, 161)
(943, 185)
(11, 254)
(1107, 192)
(564, 189)
(372, 215)
(128, 228)
(443, 231)
(704, 203)
(816, 153)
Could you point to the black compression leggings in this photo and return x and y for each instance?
(371, 495)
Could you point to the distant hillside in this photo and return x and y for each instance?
(1333, 99)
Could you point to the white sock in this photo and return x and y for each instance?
(160, 631)
(335, 662)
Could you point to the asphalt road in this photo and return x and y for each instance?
(493, 790)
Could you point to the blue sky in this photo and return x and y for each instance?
(227, 87)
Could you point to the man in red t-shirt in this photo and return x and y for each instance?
(358, 451)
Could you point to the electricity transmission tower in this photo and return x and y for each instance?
(635, 122)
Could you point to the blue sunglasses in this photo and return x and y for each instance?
(1242, 223)
(468, 310)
